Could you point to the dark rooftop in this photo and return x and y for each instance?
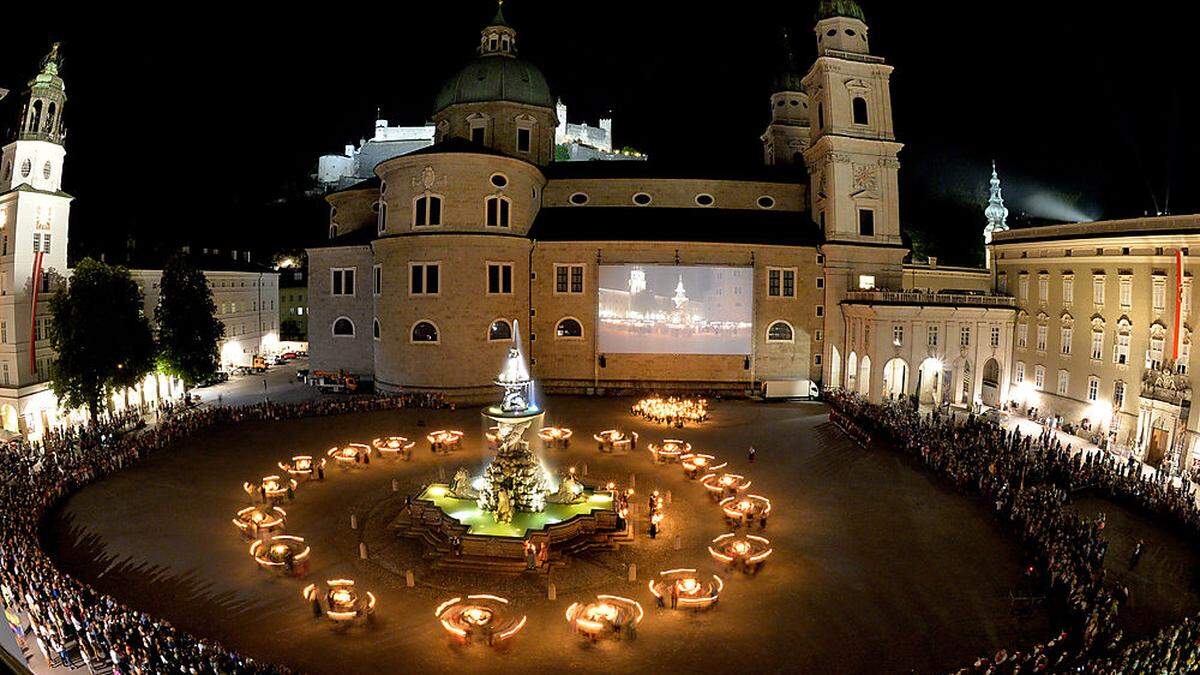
(620, 168)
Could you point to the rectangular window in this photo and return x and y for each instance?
(1154, 355)
(866, 282)
(6, 374)
(1019, 376)
(1023, 287)
(1126, 292)
(1093, 389)
(1097, 345)
(477, 134)
(1064, 382)
(1002, 282)
(820, 310)
(1068, 290)
(498, 212)
(499, 278)
(820, 282)
(1039, 377)
(781, 283)
(523, 137)
(866, 222)
(933, 336)
(1185, 297)
(378, 279)
(424, 278)
(818, 335)
(1022, 335)
(1160, 293)
(427, 210)
(1041, 338)
(342, 283)
(568, 279)
(898, 335)
(1118, 395)
(995, 336)
(1121, 349)
(1098, 290)
(1065, 340)
(964, 337)
(1043, 289)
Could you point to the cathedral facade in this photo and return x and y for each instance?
(432, 262)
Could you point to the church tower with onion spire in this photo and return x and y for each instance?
(997, 216)
(787, 136)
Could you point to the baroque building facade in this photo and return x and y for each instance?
(432, 260)
(34, 230)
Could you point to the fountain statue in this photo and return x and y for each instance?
(515, 480)
(461, 486)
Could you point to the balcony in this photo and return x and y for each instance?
(1165, 394)
(886, 297)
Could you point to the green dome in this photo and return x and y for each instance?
(847, 8)
(496, 78)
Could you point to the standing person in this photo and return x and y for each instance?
(674, 596)
(751, 453)
(1137, 554)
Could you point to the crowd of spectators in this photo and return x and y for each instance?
(69, 622)
(1027, 481)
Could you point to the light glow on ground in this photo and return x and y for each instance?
(467, 512)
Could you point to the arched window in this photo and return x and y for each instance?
(333, 231)
(375, 328)
(36, 121)
(860, 110)
(568, 328)
(50, 118)
(499, 330)
(498, 210)
(427, 209)
(424, 331)
(780, 331)
(382, 215)
(343, 327)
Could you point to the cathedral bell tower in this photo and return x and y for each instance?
(33, 233)
(787, 136)
(996, 214)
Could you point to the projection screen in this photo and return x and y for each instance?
(675, 309)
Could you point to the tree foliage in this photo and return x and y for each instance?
(102, 337)
(188, 329)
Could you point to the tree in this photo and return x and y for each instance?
(188, 329)
(102, 337)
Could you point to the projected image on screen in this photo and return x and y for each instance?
(672, 309)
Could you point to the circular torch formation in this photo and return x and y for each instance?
(686, 589)
(609, 615)
(254, 521)
(349, 454)
(555, 437)
(748, 552)
(343, 602)
(486, 616)
(695, 464)
(670, 450)
(672, 411)
(394, 446)
(444, 439)
(281, 552)
(611, 439)
(302, 465)
(724, 483)
(271, 488)
(745, 508)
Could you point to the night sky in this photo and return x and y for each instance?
(206, 126)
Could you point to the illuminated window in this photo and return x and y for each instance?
(424, 332)
(1121, 349)
(1019, 375)
(995, 336)
(964, 337)
(866, 282)
(780, 331)
(1160, 293)
(1093, 389)
(932, 340)
(1098, 289)
(1064, 382)
(568, 279)
(1097, 345)
(499, 330)
(897, 335)
(1065, 340)
(1039, 377)
(781, 283)
(568, 329)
